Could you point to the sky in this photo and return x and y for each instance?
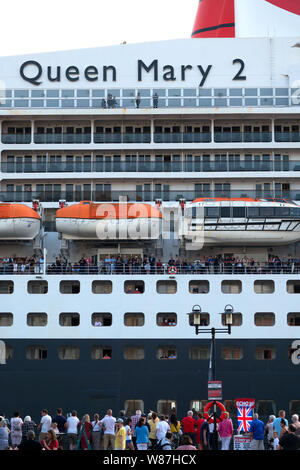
(38, 26)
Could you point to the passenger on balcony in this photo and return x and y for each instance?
(159, 267)
(147, 266)
(138, 100)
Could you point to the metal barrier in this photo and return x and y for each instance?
(146, 269)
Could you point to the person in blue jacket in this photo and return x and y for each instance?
(257, 431)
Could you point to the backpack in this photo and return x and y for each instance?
(159, 446)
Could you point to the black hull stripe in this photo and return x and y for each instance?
(212, 28)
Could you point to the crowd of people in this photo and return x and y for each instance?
(176, 265)
(153, 431)
(21, 265)
(151, 265)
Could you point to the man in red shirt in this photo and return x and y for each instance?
(188, 426)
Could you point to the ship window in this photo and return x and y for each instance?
(294, 407)
(166, 287)
(225, 212)
(37, 287)
(69, 319)
(232, 354)
(68, 353)
(295, 212)
(266, 211)
(266, 92)
(265, 353)
(199, 354)
(166, 319)
(293, 287)
(36, 353)
(293, 319)
(131, 406)
(8, 353)
(134, 319)
(6, 319)
(205, 92)
(198, 405)
(52, 93)
(101, 319)
(102, 287)
(166, 407)
(129, 93)
(174, 92)
(136, 353)
(36, 319)
(239, 212)
(211, 212)
(159, 92)
(235, 92)
(230, 407)
(264, 287)
(231, 287)
(265, 408)
(237, 319)
(166, 352)
(67, 93)
(134, 287)
(83, 93)
(6, 287)
(69, 287)
(282, 211)
(205, 319)
(189, 92)
(98, 93)
(101, 352)
(264, 319)
(199, 287)
(253, 212)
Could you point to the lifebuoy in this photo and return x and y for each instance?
(220, 406)
(172, 270)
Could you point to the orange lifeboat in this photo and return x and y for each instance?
(18, 222)
(109, 221)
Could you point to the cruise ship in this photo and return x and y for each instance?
(169, 170)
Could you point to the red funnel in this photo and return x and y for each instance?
(215, 19)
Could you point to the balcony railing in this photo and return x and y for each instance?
(135, 165)
(287, 136)
(16, 139)
(145, 138)
(231, 137)
(65, 138)
(122, 138)
(169, 98)
(119, 268)
(82, 194)
(182, 138)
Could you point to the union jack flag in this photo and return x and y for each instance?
(244, 416)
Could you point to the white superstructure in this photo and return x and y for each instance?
(163, 125)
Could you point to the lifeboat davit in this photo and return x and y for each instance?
(18, 222)
(109, 221)
(242, 221)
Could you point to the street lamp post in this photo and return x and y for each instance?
(199, 320)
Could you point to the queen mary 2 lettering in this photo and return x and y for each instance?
(34, 73)
(205, 64)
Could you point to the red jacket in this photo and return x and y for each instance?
(188, 424)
